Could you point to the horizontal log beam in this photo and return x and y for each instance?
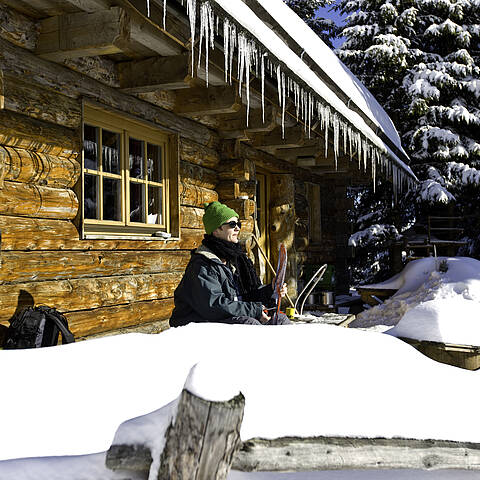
(19, 131)
(236, 168)
(37, 101)
(291, 137)
(197, 175)
(36, 201)
(196, 196)
(235, 125)
(26, 166)
(198, 154)
(20, 267)
(230, 189)
(245, 208)
(102, 32)
(157, 73)
(207, 101)
(17, 28)
(99, 320)
(86, 293)
(22, 233)
(29, 67)
(191, 217)
(89, 5)
(333, 453)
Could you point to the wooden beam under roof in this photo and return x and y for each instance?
(207, 101)
(88, 5)
(291, 137)
(101, 32)
(235, 125)
(156, 73)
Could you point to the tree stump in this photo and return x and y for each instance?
(200, 443)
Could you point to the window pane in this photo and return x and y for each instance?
(154, 162)
(90, 147)
(111, 151)
(155, 205)
(136, 154)
(112, 206)
(91, 196)
(137, 202)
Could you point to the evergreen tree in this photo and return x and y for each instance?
(421, 59)
(306, 10)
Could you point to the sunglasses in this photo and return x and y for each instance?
(233, 224)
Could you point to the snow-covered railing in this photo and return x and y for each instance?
(260, 50)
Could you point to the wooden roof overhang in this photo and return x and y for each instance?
(153, 51)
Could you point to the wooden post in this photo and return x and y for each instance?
(200, 443)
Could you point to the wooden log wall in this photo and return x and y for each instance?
(101, 285)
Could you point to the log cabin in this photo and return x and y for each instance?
(120, 118)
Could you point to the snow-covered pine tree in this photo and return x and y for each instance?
(306, 10)
(420, 58)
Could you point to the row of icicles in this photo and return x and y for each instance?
(252, 58)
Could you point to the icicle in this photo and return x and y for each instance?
(283, 105)
(279, 85)
(233, 44)
(164, 14)
(335, 138)
(263, 86)
(192, 13)
(148, 8)
(226, 38)
(207, 31)
(327, 126)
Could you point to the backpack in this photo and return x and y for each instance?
(35, 327)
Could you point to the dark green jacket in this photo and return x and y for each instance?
(207, 293)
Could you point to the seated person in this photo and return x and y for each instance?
(220, 283)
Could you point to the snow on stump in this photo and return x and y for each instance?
(199, 444)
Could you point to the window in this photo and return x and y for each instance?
(130, 177)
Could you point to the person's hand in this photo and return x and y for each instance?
(283, 290)
(264, 318)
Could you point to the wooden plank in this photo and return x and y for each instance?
(20, 267)
(17, 28)
(86, 293)
(25, 166)
(333, 453)
(240, 169)
(207, 101)
(29, 67)
(19, 131)
(157, 73)
(23, 233)
(37, 201)
(196, 196)
(99, 320)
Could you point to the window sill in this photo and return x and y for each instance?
(130, 237)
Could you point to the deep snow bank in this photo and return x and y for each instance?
(438, 299)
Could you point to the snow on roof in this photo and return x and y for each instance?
(438, 299)
(328, 62)
(299, 380)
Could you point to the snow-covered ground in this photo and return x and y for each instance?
(298, 380)
(438, 299)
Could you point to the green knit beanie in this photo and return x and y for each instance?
(216, 214)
